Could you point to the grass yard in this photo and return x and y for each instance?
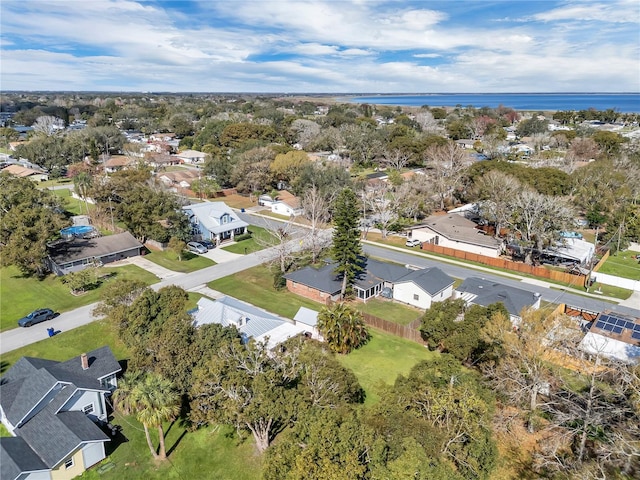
(72, 205)
(622, 265)
(259, 237)
(393, 312)
(56, 182)
(208, 453)
(20, 295)
(190, 261)
(255, 286)
(381, 360)
(236, 201)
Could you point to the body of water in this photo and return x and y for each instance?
(621, 102)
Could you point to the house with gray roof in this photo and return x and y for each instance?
(324, 285)
(74, 254)
(51, 409)
(214, 221)
(457, 232)
(421, 288)
(480, 291)
(250, 321)
(415, 287)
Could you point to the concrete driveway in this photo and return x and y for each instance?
(219, 255)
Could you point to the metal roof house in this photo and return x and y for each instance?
(214, 221)
(251, 321)
(480, 291)
(51, 408)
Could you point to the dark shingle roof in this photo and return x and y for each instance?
(30, 379)
(489, 292)
(80, 248)
(16, 456)
(431, 280)
(322, 279)
(53, 437)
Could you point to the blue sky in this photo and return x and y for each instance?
(329, 46)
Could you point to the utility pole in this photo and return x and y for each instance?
(595, 249)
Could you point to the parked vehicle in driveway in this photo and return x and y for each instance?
(195, 247)
(207, 243)
(413, 243)
(37, 316)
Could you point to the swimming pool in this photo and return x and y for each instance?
(77, 230)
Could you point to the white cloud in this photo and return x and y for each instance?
(616, 12)
(427, 55)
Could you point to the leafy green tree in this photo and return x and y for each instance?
(346, 248)
(82, 183)
(177, 246)
(325, 444)
(609, 142)
(342, 327)
(153, 400)
(438, 322)
(30, 219)
(248, 387)
(531, 126)
(79, 281)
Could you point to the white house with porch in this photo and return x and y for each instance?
(214, 221)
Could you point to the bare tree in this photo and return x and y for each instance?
(305, 131)
(537, 219)
(496, 191)
(48, 125)
(414, 197)
(316, 210)
(427, 122)
(280, 242)
(396, 158)
(447, 163)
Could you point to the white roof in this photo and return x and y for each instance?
(306, 316)
(210, 214)
(574, 248)
(251, 321)
(610, 347)
(191, 154)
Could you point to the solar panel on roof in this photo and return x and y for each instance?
(604, 318)
(599, 324)
(630, 325)
(617, 330)
(608, 327)
(636, 335)
(637, 328)
(621, 323)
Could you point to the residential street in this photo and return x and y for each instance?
(19, 337)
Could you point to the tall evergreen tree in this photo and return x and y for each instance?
(346, 248)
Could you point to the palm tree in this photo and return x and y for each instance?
(342, 328)
(81, 184)
(153, 400)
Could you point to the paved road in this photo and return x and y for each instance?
(458, 270)
(19, 337)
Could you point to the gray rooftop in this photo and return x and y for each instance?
(306, 316)
(53, 436)
(80, 248)
(431, 280)
(29, 379)
(487, 292)
(16, 457)
(457, 228)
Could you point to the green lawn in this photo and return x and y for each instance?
(190, 261)
(72, 205)
(393, 312)
(381, 360)
(208, 453)
(255, 286)
(259, 237)
(622, 265)
(20, 295)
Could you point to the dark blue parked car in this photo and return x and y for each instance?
(37, 316)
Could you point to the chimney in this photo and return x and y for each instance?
(84, 360)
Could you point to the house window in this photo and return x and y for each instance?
(88, 409)
(416, 297)
(68, 463)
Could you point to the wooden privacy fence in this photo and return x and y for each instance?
(403, 331)
(506, 264)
